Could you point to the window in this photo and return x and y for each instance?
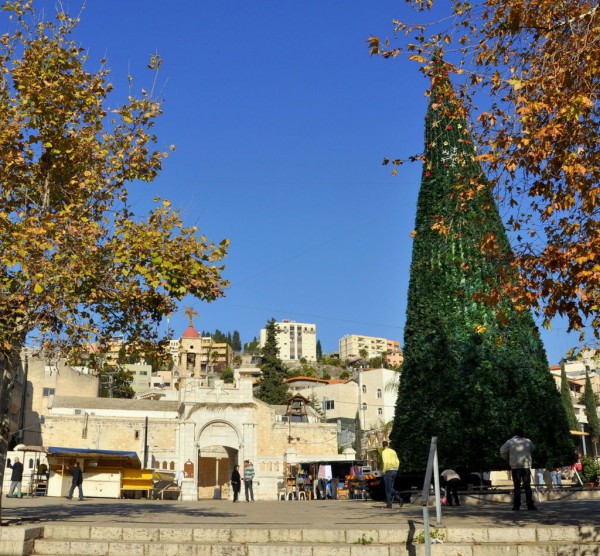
(136, 435)
(328, 404)
(379, 411)
(364, 406)
(364, 389)
(379, 392)
(47, 392)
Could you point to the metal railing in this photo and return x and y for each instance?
(432, 469)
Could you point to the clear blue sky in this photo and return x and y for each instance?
(281, 120)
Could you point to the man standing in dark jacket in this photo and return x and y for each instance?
(236, 482)
(16, 478)
(77, 481)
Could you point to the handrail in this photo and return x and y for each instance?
(432, 469)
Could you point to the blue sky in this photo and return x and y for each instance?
(281, 120)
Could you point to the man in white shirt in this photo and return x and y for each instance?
(517, 451)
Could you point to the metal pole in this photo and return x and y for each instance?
(431, 463)
(146, 444)
(436, 484)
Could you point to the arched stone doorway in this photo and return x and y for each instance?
(218, 447)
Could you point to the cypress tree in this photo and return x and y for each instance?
(272, 389)
(591, 410)
(474, 365)
(319, 351)
(565, 394)
(236, 342)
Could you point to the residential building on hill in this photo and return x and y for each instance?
(295, 340)
(370, 394)
(351, 346)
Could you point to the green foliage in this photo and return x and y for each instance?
(590, 469)
(433, 534)
(376, 362)
(474, 365)
(227, 375)
(319, 351)
(332, 361)
(344, 375)
(363, 539)
(591, 409)
(272, 389)
(233, 340)
(115, 382)
(567, 401)
(252, 347)
(326, 375)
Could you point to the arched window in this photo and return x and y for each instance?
(379, 411)
(364, 406)
(172, 466)
(364, 389)
(379, 393)
(164, 465)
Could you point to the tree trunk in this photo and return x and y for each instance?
(10, 364)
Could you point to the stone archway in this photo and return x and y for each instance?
(218, 446)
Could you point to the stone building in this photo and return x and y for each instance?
(204, 427)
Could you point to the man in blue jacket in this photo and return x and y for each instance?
(77, 481)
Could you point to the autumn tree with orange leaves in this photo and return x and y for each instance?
(77, 264)
(533, 68)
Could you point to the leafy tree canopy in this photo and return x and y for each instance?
(534, 69)
(78, 266)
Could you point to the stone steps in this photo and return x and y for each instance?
(66, 540)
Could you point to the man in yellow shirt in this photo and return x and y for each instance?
(391, 463)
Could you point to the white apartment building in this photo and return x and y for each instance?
(371, 393)
(295, 340)
(351, 345)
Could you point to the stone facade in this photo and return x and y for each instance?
(204, 432)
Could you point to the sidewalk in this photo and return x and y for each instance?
(286, 514)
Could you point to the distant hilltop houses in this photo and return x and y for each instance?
(298, 340)
(197, 354)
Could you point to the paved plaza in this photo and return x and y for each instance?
(287, 514)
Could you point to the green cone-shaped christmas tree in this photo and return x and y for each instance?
(474, 366)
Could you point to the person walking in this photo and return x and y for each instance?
(556, 475)
(452, 480)
(391, 463)
(540, 482)
(517, 451)
(77, 480)
(16, 478)
(248, 477)
(236, 481)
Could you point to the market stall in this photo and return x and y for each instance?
(324, 480)
(35, 470)
(106, 473)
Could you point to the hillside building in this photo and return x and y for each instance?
(295, 340)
